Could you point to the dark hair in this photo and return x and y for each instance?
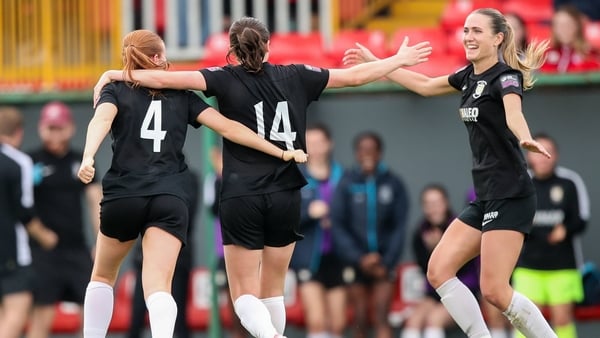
(368, 135)
(318, 126)
(533, 55)
(547, 137)
(438, 187)
(248, 38)
(139, 47)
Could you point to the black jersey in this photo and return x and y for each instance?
(16, 207)
(499, 167)
(273, 104)
(561, 199)
(58, 196)
(148, 135)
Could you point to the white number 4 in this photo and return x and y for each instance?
(282, 115)
(156, 134)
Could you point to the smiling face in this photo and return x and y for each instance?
(480, 41)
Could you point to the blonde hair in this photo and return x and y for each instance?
(139, 49)
(531, 58)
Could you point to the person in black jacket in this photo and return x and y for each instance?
(368, 214)
(547, 271)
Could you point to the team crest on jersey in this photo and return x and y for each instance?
(386, 194)
(509, 80)
(479, 89)
(557, 194)
(313, 68)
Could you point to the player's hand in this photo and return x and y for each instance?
(86, 170)
(534, 146)
(318, 209)
(355, 56)
(47, 239)
(298, 155)
(412, 55)
(103, 81)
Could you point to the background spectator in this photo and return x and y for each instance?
(369, 212)
(547, 271)
(62, 272)
(430, 318)
(519, 30)
(569, 50)
(318, 266)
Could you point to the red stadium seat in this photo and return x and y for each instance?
(456, 11)
(538, 31)
(374, 40)
(215, 50)
(530, 12)
(435, 36)
(199, 300)
(124, 289)
(295, 46)
(592, 33)
(67, 318)
(455, 41)
(440, 65)
(409, 290)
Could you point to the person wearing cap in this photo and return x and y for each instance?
(62, 272)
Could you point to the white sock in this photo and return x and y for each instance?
(434, 332)
(463, 307)
(319, 335)
(499, 333)
(410, 333)
(527, 318)
(276, 309)
(97, 309)
(162, 312)
(254, 316)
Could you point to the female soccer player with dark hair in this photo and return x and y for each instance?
(146, 188)
(493, 226)
(260, 197)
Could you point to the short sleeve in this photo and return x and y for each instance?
(195, 107)
(109, 94)
(510, 82)
(214, 78)
(314, 79)
(458, 79)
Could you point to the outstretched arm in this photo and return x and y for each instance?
(238, 133)
(413, 81)
(98, 128)
(517, 124)
(193, 80)
(365, 73)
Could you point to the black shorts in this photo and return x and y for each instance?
(61, 275)
(505, 214)
(126, 218)
(257, 221)
(16, 281)
(330, 273)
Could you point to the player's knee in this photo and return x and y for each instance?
(436, 275)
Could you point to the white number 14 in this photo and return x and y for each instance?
(282, 115)
(156, 134)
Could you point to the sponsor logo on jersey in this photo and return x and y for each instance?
(469, 114)
(313, 68)
(479, 89)
(509, 80)
(489, 217)
(557, 194)
(548, 218)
